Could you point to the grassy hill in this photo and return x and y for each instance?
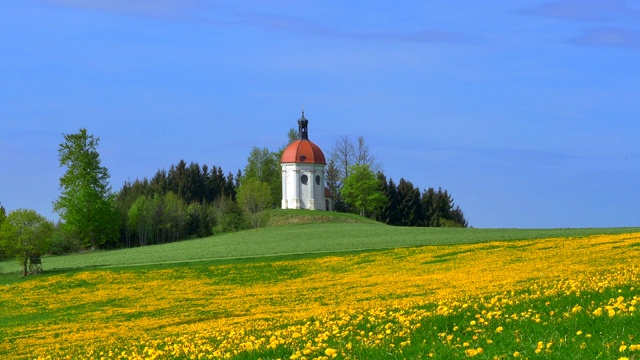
(561, 297)
(296, 233)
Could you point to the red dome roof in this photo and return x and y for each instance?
(303, 151)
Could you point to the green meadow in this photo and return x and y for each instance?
(323, 286)
(294, 233)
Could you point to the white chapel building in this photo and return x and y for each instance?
(303, 183)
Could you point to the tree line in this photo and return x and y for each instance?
(193, 200)
(357, 182)
(186, 201)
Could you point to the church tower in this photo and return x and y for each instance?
(303, 173)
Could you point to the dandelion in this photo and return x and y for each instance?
(331, 352)
(597, 312)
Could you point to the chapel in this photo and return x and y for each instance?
(303, 178)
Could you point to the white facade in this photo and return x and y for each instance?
(303, 186)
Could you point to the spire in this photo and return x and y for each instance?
(302, 127)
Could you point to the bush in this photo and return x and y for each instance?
(229, 217)
(62, 243)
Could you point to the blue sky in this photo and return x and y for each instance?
(527, 112)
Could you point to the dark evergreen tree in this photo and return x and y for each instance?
(195, 182)
(439, 209)
(159, 183)
(215, 184)
(409, 210)
(389, 213)
(3, 213)
(334, 184)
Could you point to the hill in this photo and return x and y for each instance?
(541, 298)
(297, 233)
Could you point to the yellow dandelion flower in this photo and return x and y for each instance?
(597, 312)
(331, 352)
(470, 352)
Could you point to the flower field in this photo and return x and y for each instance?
(543, 298)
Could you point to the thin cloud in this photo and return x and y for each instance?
(583, 10)
(199, 11)
(302, 26)
(146, 8)
(609, 37)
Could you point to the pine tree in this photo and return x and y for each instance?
(390, 214)
(409, 209)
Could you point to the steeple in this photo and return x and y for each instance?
(302, 127)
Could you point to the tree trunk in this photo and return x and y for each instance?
(24, 265)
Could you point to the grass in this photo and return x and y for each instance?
(563, 298)
(294, 233)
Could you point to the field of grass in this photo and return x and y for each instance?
(469, 293)
(293, 234)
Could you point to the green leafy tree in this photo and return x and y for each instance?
(264, 166)
(86, 203)
(25, 233)
(229, 216)
(174, 217)
(254, 196)
(200, 220)
(139, 218)
(344, 155)
(362, 189)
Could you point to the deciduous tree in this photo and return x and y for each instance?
(264, 166)
(86, 203)
(254, 196)
(362, 190)
(25, 233)
(139, 218)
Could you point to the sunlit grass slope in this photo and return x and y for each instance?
(556, 298)
(301, 233)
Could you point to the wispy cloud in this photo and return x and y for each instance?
(611, 21)
(583, 10)
(303, 26)
(148, 8)
(205, 12)
(609, 37)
